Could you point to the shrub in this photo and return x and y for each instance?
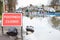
(55, 22)
(58, 11)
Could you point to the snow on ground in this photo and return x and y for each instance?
(42, 28)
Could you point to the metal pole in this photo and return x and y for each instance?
(3, 12)
(2, 30)
(3, 6)
(21, 32)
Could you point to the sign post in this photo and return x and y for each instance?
(21, 33)
(2, 30)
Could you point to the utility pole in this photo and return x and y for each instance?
(3, 6)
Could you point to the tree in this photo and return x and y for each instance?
(12, 5)
(55, 3)
(1, 7)
(55, 21)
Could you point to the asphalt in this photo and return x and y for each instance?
(5, 37)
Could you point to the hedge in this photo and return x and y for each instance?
(58, 11)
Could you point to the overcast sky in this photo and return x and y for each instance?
(23, 3)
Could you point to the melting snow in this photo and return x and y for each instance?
(43, 30)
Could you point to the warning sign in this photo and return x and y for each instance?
(11, 19)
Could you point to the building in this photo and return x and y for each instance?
(6, 5)
(19, 10)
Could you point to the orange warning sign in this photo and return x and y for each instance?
(12, 19)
